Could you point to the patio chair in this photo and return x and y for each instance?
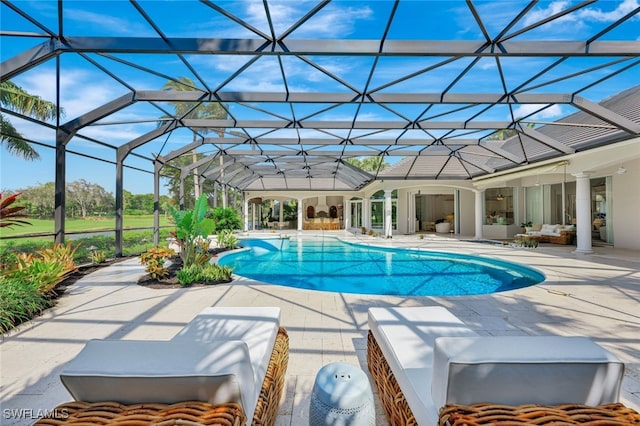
(429, 369)
(227, 367)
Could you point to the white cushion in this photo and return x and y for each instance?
(550, 230)
(517, 370)
(255, 326)
(134, 371)
(406, 338)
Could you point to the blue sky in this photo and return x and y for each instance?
(84, 87)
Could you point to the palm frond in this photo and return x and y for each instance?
(14, 142)
(15, 98)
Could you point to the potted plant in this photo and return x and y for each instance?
(526, 226)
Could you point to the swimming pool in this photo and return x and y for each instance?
(328, 264)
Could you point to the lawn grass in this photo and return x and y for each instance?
(82, 225)
(134, 241)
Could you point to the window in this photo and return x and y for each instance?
(377, 210)
(498, 204)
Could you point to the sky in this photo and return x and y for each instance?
(83, 86)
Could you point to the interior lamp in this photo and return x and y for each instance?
(499, 197)
(621, 170)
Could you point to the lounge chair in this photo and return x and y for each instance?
(227, 366)
(429, 369)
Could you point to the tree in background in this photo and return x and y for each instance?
(39, 200)
(172, 174)
(225, 219)
(15, 98)
(369, 164)
(205, 110)
(142, 204)
(504, 134)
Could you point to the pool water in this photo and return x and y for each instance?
(328, 264)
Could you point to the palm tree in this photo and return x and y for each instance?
(15, 98)
(369, 164)
(210, 110)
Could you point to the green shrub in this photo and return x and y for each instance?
(45, 273)
(47, 267)
(227, 239)
(215, 272)
(226, 219)
(192, 230)
(154, 259)
(189, 274)
(98, 256)
(19, 302)
(208, 273)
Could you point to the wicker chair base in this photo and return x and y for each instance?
(273, 386)
(568, 414)
(395, 406)
(80, 413)
(398, 412)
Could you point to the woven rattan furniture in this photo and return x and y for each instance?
(398, 412)
(567, 414)
(408, 336)
(219, 358)
(416, 372)
(113, 413)
(393, 400)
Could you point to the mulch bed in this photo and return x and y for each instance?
(171, 280)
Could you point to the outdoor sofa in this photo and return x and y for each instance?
(227, 367)
(430, 369)
(555, 234)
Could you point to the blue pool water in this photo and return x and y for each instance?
(331, 265)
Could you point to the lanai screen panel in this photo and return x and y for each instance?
(287, 92)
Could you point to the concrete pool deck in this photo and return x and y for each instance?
(595, 295)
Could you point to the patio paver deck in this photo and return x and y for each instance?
(595, 295)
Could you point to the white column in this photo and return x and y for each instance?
(366, 213)
(246, 215)
(411, 212)
(388, 222)
(583, 213)
(346, 212)
(300, 214)
(225, 195)
(479, 214)
(281, 217)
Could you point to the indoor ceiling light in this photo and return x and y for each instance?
(621, 170)
(500, 197)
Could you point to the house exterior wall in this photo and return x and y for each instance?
(626, 206)
(467, 213)
(597, 163)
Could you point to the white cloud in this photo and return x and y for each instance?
(553, 111)
(102, 20)
(554, 7)
(80, 91)
(581, 16)
(333, 20)
(108, 133)
(598, 15)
